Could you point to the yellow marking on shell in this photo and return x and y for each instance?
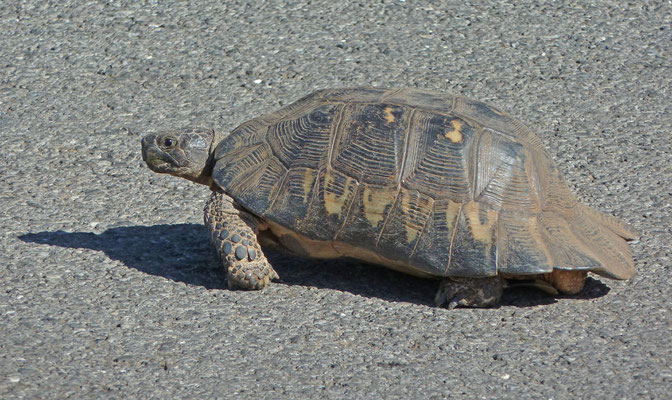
(455, 135)
(481, 232)
(451, 213)
(308, 183)
(412, 232)
(389, 117)
(374, 202)
(333, 201)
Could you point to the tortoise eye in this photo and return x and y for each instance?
(169, 142)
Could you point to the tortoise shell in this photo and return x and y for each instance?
(429, 183)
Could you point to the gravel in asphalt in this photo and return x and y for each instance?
(111, 290)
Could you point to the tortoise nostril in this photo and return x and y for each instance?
(147, 142)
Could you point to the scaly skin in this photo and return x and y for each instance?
(469, 292)
(233, 232)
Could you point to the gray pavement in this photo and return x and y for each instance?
(110, 289)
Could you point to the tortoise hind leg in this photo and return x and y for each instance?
(566, 281)
(233, 232)
(469, 292)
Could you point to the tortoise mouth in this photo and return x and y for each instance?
(163, 163)
(159, 166)
(157, 160)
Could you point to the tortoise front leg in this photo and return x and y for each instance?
(233, 232)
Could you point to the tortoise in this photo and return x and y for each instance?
(427, 183)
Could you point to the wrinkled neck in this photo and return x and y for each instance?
(206, 176)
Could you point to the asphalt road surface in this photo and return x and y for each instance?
(109, 288)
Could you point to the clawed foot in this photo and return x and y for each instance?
(469, 292)
(233, 232)
(252, 275)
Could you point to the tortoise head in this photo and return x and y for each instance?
(185, 153)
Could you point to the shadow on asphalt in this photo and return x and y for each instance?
(182, 253)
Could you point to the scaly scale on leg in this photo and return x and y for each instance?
(469, 292)
(233, 232)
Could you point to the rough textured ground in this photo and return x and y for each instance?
(108, 285)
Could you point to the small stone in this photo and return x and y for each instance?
(245, 242)
(236, 238)
(240, 252)
(227, 248)
(218, 226)
(252, 253)
(224, 234)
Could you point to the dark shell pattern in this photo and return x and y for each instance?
(448, 185)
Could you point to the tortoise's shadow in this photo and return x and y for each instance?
(182, 253)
